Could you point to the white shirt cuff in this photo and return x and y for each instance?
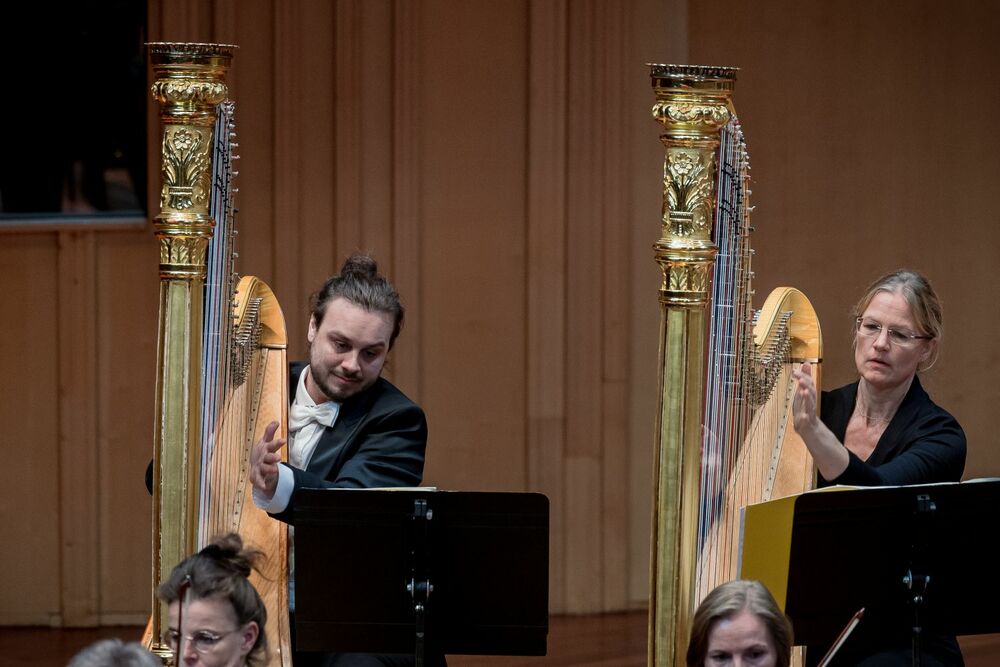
(282, 494)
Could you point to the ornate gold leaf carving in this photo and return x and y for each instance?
(711, 115)
(684, 284)
(167, 91)
(183, 250)
(687, 278)
(186, 162)
(688, 191)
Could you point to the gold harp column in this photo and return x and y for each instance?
(189, 83)
(693, 103)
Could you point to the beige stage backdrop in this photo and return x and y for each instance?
(500, 160)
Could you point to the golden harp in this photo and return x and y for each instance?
(221, 365)
(724, 436)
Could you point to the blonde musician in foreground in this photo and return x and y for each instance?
(884, 430)
(739, 624)
(348, 426)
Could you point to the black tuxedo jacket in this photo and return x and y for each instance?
(378, 440)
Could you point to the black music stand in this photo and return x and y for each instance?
(421, 571)
(918, 559)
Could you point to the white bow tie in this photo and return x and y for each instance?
(301, 415)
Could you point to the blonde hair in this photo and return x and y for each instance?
(920, 297)
(729, 599)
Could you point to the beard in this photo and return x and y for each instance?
(328, 383)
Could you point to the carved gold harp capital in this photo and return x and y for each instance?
(694, 104)
(189, 84)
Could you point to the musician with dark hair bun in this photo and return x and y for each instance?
(217, 618)
(884, 430)
(348, 426)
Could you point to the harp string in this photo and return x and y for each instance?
(217, 332)
(743, 412)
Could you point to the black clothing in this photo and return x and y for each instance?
(923, 444)
(378, 441)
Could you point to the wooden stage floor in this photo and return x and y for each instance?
(586, 641)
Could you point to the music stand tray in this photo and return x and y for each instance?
(420, 571)
(894, 551)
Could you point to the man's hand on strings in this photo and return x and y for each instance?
(264, 459)
(804, 399)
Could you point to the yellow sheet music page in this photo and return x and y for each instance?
(766, 542)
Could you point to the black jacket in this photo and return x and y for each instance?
(378, 440)
(922, 444)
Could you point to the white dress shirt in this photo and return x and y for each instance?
(306, 423)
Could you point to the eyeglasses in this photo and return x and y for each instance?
(872, 329)
(202, 641)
